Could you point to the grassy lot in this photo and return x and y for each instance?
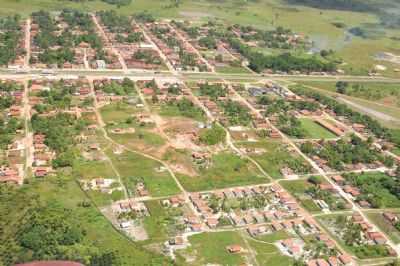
(211, 248)
(173, 111)
(162, 222)
(133, 167)
(226, 169)
(93, 169)
(142, 138)
(385, 226)
(274, 158)
(268, 254)
(232, 70)
(63, 192)
(96, 169)
(117, 112)
(315, 131)
(275, 236)
(298, 189)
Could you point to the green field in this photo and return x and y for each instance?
(133, 167)
(117, 112)
(315, 131)
(274, 158)
(211, 248)
(226, 170)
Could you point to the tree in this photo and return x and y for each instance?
(341, 87)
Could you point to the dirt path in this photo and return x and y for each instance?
(252, 254)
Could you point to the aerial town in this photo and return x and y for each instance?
(138, 140)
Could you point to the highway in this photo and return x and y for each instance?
(145, 74)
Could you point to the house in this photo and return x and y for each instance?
(212, 222)
(338, 179)
(234, 249)
(41, 172)
(345, 259)
(390, 217)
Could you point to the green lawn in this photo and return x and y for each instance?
(226, 170)
(132, 167)
(315, 131)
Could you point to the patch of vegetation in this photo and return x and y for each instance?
(216, 134)
(342, 152)
(380, 190)
(52, 219)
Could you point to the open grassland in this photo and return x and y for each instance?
(134, 168)
(225, 170)
(315, 131)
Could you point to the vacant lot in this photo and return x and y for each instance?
(211, 248)
(315, 131)
(134, 168)
(225, 170)
(274, 157)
